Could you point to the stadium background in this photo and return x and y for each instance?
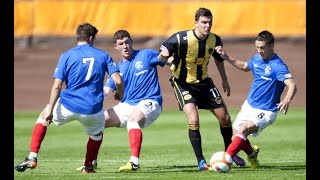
(43, 29)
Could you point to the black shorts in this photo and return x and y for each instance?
(204, 94)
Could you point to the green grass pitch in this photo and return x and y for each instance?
(166, 151)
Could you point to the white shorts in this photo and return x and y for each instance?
(93, 124)
(260, 118)
(151, 110)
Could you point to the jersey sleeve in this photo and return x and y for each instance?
(111, 66)
(60, 71)
(171, 44)
(110, 83)
(283, 72)
(153, 57)
(249, 63)
(215, 54)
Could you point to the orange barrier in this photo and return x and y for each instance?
(158, 18)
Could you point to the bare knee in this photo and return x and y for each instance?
(223, 116)
(248, 128)
(111, 118)
(224, 120)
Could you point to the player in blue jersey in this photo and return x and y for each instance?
(82, 69)
(260, 109)
(141, 104)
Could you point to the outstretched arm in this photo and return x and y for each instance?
(292, 90)
(235, 62)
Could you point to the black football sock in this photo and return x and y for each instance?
(226, 133)
(195, 139)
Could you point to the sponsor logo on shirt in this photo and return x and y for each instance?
(266, 78)
(141, 72)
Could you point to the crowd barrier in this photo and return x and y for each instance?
(158, 17)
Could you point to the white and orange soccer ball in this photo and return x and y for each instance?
(221, 162)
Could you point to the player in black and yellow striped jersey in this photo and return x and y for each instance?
(193, 88)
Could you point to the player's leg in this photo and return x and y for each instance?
(113, 116)
(135, 118)
(225, 124)
(93, 146)
(112, 119)
(249, 121)
(241, 142)
(226, 131)
(145, 112)
(93, 125)
(191, 112)
(38, 134)
(213, 101)
(187, 98)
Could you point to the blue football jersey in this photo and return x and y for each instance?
(268, 82)
(140, 77)
(83, 69)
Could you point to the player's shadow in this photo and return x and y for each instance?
(294, 167)
(170, 168)
(193, 168)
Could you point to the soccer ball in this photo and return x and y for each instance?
(221, 162)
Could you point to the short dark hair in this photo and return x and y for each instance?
(202, 12)
(120, 34)
(265, 36)
(85, 30)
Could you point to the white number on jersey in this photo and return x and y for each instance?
(91, 61)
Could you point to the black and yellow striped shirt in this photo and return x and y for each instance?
(191, 55)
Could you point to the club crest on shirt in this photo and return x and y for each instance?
(267, 70)
(218, 100)
(138, 65)
(199, 61)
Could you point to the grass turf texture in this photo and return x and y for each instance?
(166, 151)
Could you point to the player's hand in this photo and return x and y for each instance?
(170, 61)
(283, 106)
(48, 118)
(226, 87)
(220, 50)
(164, 54)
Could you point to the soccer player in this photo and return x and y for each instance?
(141, 104)
(82, 69)
(193, 87)
(263, 103)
